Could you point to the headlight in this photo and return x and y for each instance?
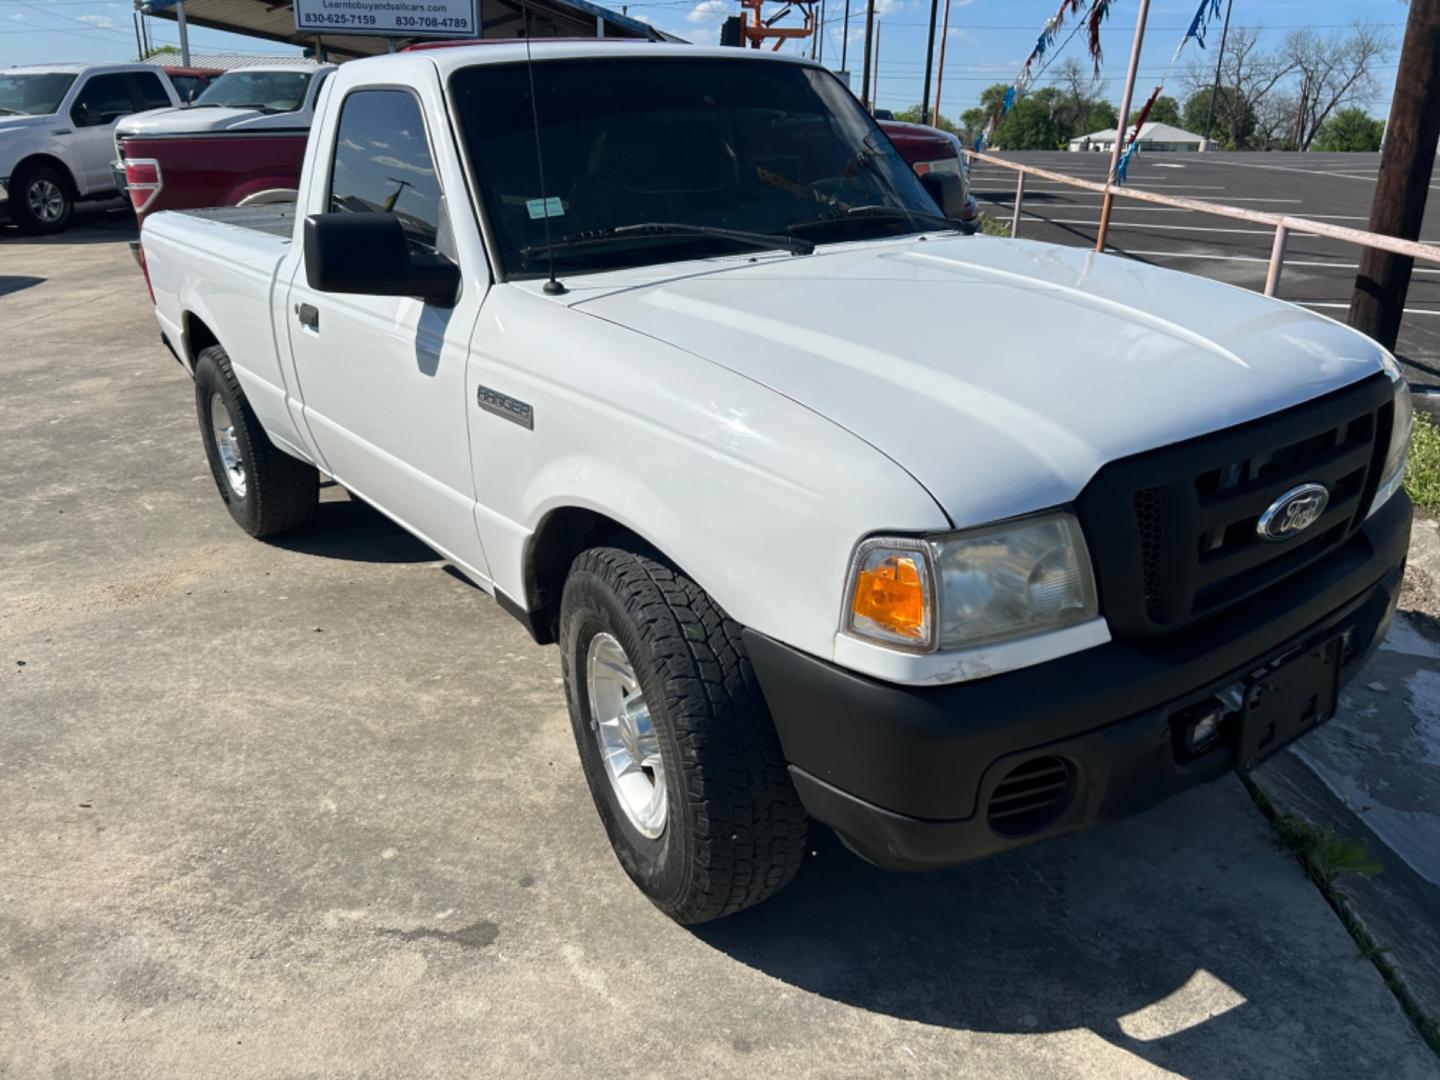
(1393, 474)
(974, 587)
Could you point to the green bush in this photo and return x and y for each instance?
(1422, 474)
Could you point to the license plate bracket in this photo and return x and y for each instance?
(1287, 700)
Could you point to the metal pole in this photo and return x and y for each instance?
(821, 56)
(184, 36)
(875, 90)
(144, 34)
(845, 43)
(865, 70)
(1277, 259)
(139, 45)
(1019, 198)
(1124, 120)
(940, 71)
(1219, 59)
(929, 62)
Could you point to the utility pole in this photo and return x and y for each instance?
(821, 34)
(875, 89)
(865, 69)
(929, 60)
(940, 71)
(184, 35)
(1219, 59)
(1124, 120)
(845, 44)
(139, 45)
(1406, 164)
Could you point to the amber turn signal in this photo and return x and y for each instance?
(890, 595)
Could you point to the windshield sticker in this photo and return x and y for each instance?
(543, 208)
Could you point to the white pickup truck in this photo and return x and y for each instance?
(57, 124)
(835, 511)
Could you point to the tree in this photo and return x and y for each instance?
(972, 123)
(1029, 125)
(1350, 130)
(1166, 110)
(1234, 118)
(1102, 117)
(1334, 73)
(916, 115)
(162, 50)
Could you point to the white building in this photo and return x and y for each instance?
(1153, 136)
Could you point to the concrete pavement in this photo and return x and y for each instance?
(313, 808)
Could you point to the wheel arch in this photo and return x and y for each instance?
(561, 535)
(196, 336)
(41, 157)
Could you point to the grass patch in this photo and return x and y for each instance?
(1325, 855)
(991, 227)
(1422, 473)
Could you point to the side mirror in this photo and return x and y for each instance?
(82, 115)
(948, 191)
(368, 254)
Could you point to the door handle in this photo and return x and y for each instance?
(309, 316)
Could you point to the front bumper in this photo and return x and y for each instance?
(905, 774)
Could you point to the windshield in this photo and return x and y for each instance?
(36, 95)
(272, 91)
(760, 146)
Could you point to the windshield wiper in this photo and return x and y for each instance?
(12, 112)
(596, 237)
(858, 213)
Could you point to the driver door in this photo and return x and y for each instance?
(383, 377)
(100, 102)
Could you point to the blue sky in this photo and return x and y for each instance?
(988, 39)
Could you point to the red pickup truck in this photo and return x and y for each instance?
(190, 170)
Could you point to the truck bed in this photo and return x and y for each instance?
(274, 219)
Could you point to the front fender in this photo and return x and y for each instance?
(759, 499)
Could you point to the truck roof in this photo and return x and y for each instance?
(73, 69)
(508, 52)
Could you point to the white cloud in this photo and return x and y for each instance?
(888, 7)
(643, 18)
(18, 17)
(402, 166)
(708, 11)
(104, 22)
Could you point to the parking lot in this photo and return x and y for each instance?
(1319, 272)
(313, 808)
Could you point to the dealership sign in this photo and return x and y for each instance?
(393, 18)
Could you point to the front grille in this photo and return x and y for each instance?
(1031, 796)
(1173, 532)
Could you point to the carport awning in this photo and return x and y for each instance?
(274, 20)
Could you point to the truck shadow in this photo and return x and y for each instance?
(1168, 936)
(353, 530)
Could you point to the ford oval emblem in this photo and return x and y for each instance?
(1293, 512)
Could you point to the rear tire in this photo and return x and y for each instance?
(267, 491)
(42, 199)
(728, 830)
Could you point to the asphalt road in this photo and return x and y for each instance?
(1319, 272)
(312, 808)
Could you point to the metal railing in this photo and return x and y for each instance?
(1283, 224)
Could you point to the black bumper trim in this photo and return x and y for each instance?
(863, 749)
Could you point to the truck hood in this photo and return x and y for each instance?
(180, 121)
(10, 124)
(1001, 374)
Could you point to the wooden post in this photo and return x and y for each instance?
(929, 63)
(940, 71)
(1124, 121)
(865, 69)
(1405, 170)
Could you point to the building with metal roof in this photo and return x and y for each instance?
(274, 20)
(1153, 136)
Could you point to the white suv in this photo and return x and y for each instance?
(56, 126)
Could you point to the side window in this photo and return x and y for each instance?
(150, 92)
(382, 164)
(102, 100)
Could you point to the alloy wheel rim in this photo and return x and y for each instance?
(47, 201)
(232, 462)
(625, 733)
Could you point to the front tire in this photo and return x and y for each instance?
(675, 740)
(266, 490)
(42, 199)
